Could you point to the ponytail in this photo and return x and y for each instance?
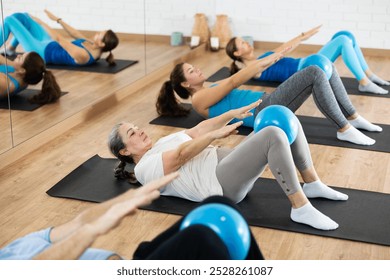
(121, 173)
(110, 59)
(230, 49)
(50, 91)
(234, 68)
(167, 104)
(35, 71)
(111, 41)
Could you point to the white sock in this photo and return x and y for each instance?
(319, 189)
(355, 136)
(374, 78)
(372, 88)
(362, 123)
(308, 215)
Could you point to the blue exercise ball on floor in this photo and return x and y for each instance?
(318, 60)
(227, 223)
(279, 116)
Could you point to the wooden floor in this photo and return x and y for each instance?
(25, 207)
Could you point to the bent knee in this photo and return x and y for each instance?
(344, 38)
(274, 134)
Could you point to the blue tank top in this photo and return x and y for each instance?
(55, 54)
(281, 70)
(9, 69)
(237, 98)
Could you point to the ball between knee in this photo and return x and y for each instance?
(279, 116)
(321, 61)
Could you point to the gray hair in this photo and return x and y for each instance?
(115, 142)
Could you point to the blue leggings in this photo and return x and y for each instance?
(31, 35)
(344, 44)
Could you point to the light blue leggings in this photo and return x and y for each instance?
(344, 44)
(31, 35)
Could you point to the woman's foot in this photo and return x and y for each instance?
(362, 123)
(355, 136)
(372, 88)
(375, 79)
(308, 215)
(319, 189)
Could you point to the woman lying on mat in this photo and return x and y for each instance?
(330, 96)
(35, 35)
(24, 70)
(72, 239)
(207, 170)
(342, 44)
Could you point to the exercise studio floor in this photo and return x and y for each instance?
(25, 206)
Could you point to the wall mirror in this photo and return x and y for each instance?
(145, 31)
(82, 88)
(5, 117)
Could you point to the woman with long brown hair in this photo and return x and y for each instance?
(24, 70)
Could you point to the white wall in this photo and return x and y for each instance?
(265, 20)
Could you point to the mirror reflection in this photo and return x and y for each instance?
(5, 122)
(71, 38)
(148, 36)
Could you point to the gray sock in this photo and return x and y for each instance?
(374, 78)
(372, 88)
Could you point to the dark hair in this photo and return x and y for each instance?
(230, 49)
(35, 71)
(110, 41)
(167, 104)
(115, 144)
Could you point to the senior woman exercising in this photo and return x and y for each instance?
(35, 35)
(330, 96)
(206, 170)
(343, 44)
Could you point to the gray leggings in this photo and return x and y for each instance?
(239, 168)
(330, 96)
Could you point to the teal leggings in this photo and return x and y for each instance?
(344, 44)
(31, 35)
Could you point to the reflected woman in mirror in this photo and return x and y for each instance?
(35, 35)
(24, 70)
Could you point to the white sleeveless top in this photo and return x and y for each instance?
(197, 179)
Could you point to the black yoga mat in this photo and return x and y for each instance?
(101, 66)
(317, 130)
(351, 85)
(20, 100)
(363, 217)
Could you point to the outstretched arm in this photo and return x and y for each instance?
(203, 99)
(72, 239)
(174, 159)
(293, 43)
(69, 29)
(221, 120)
(203, 135)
